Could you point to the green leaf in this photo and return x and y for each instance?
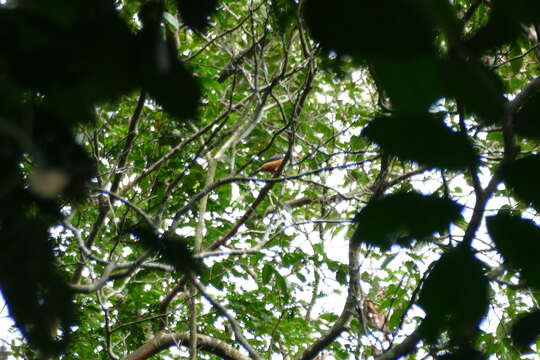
(281, 284)
(341, 276)
(267, 273)
(403, 217)
(422, 138)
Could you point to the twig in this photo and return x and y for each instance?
(234, 324)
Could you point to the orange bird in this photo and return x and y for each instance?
(272, 164)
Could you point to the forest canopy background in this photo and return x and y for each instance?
(134, 221)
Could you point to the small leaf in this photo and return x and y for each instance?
(402, 217)
(526, 330)
(454, 296)
(518, 241)
(281, 284)
(341, 276)
(388, 260)
(422, 138)
(267, 273)
(171, 20)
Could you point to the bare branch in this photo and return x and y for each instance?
(204, 343)
(234, 324)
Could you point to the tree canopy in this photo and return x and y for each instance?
(401, 220)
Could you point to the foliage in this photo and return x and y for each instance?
(402, 220)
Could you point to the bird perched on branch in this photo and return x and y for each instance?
(272, 164)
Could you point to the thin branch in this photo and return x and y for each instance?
(138, 210)
(234, 324)
(516, 57)
(230, 180)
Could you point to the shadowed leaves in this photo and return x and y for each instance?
(195, 13)
(174, 88)
(528, 118)
(504, 23)
(411, 70)
(518, 241)
(522, 177)
(35, 291)
(422, 138)
(173, 249)
(59, 60)
(403, 217)
(525, 330)
(362, 28)
(454, 297)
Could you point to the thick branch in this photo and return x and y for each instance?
(407, 346)
(204, 343)
(353, 299)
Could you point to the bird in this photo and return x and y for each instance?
(272, 164)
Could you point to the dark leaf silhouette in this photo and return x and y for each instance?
(195, 13)
(504, 24)
(525, 330)
(522, 177)
(422, 138)
(528, 118)
(361, 28)
(175, 89)
(518, 240)
(454, 297)
(477, 88)
(412, 84)
(173, 249)
(403, 217)
(36, 293)
(163, 75)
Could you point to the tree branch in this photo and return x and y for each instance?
(204, 343)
